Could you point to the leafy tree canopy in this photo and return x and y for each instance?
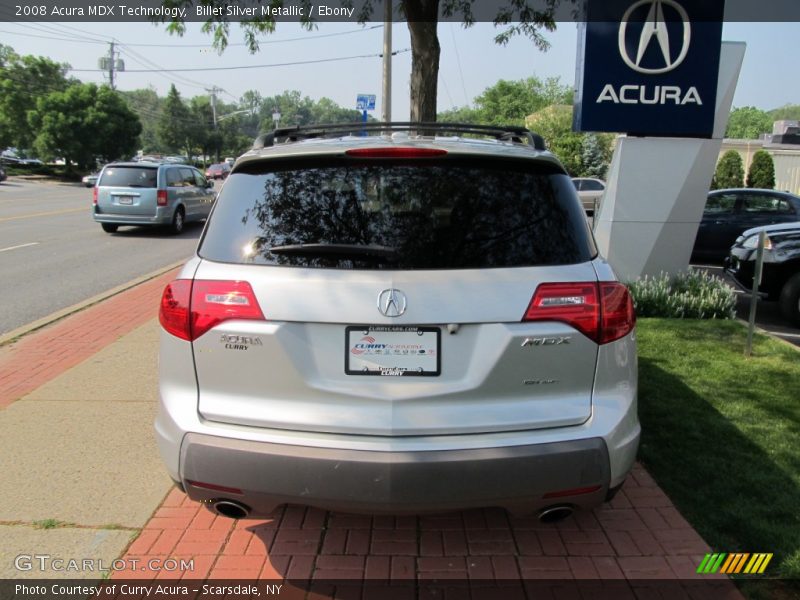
(25, 79)
(83, 124)
(748, 122)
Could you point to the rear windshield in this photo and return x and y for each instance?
(143, 177)
(431, 215)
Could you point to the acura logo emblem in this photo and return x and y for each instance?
(392, 303)
(655, 26)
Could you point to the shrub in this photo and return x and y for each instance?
(762, 171)
(730, 171)
(690, 295)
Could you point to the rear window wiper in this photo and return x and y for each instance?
(368, 251)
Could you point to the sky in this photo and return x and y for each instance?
(470, 60)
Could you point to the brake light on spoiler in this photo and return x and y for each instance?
(396, 152)
(190, 308)
(602, 311)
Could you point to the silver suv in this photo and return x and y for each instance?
(398, 323)
(148, 193)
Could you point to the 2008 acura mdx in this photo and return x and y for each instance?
(398, 318)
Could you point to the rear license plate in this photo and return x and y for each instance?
(393, 351)
(125, 199)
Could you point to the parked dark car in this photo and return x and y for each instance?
(730, 212)
(218, 171)
(3, 175)
(780, 276)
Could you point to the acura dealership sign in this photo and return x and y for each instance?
(649, 67)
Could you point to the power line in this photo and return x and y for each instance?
(286, 64)
(93, 40)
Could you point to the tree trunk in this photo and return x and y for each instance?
(422, 18)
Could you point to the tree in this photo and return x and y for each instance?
(147, 105)
(174, 125)
(748, 123)
(84, 124)
(788, 112)
(24, 80)
(422, 18)
(554, 124)
(730, 171)
(761, 173)
(595, 156)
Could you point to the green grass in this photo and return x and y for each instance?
(48, 524)
(721, 434)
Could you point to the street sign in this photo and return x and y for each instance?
(365, 102)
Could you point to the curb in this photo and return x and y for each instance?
(20, 332)
(746, 324)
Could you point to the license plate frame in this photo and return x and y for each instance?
(125, 200)
(400, 351)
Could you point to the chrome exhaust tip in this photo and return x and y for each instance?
(553, 514)
(230, 509)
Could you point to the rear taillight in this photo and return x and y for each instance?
(576, 304)
(603, 312)
(94, 196)
(396, 152)
(161, 197)
(174, 311)
(189, 309)
(616, 310)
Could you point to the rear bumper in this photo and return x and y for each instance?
(163, 216)
(516, 478)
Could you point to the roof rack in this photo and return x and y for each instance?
(305, 132)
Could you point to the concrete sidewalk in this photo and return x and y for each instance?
(82, 479)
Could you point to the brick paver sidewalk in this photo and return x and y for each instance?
(43, 355)
(639, 536)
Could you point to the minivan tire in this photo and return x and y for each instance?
(790, 299)
(109, 227)
(177, 221)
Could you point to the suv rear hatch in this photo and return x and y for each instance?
(128, 190)
(393, 294)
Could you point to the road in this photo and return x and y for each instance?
(53, 255)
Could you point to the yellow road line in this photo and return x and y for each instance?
(45, 214)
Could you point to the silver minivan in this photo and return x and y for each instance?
(147, 193)
(398, 323)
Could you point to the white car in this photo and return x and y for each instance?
(398, 323)
(590, 191)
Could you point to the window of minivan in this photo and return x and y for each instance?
(128, 176)
(436, 214)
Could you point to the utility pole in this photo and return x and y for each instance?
(213, 91)
(386, 103)
(111, 64)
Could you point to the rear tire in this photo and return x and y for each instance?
(790, 299)
(109, 227)
(177, 221)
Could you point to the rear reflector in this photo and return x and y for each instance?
(215, 487)
(398, 152)
(603, 312)
(189, 309)
(161, 197)
(572, 492)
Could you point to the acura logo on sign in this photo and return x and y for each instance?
(655, 26)
(392, 303)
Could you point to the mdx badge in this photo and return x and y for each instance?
(547, 341)
(392, 302)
